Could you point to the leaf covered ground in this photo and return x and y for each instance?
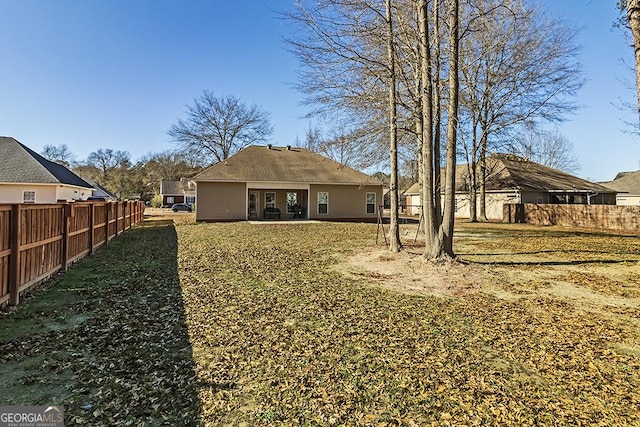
(243, 324)
(284, 338)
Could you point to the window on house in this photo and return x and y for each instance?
(29, 196)
(292, 202)
(170, 200)
(269, 200)
(371, 203)
(190, 200)
(323, 202)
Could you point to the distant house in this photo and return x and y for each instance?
(512, 179)
(412, 199)
(627, 184)
(27, 177)
(182, 191)
(269, 182)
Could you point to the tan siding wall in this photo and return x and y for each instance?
(71, 193)
(345, 201)
(413, 205)
(626, 200)
(493, 207)
(12, 193)
(221, 201)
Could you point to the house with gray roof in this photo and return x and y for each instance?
(513, 179)
(269, 182)
(627, 184)
(27, 177)
(182, 191)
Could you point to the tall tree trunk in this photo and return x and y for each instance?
(473, 193)
(428, 195)
(448, 219)
(394, 229)
(437, 114)
(419, 122)
(483, 178)
(633, 15)
(472, 170)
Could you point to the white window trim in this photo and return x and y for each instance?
(292, 210)
(318, 202)
(274, 199)
(366, 203)
(24, 199)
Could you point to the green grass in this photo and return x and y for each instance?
(107, 339)
(240, 324)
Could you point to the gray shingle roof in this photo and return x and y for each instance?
(509, 172)
(626, 182)
(174, 188)
(20, 164)
(281, 164)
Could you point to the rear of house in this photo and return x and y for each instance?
(268, 182)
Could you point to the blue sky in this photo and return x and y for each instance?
(117, 73)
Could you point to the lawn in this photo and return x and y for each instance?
(241, 324)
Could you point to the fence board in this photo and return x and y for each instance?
(36, 241)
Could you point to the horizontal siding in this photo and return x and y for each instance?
(221, 201)
(12, 193)
(345, 201)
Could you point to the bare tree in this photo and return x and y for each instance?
(548, 148)
(217, 127)
(394, 230)
(58, 153)
(439, 219)
(346, 144)
(111, 169)
(347, 50)
(519, 66)
(632, 8)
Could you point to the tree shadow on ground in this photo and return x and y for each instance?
(108, 339)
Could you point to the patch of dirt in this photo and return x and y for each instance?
(408, 272)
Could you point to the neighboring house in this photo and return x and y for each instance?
(627, 184)
(182, 191)
(27, 177)
(412, 199)
(262, 182)
(512, 179)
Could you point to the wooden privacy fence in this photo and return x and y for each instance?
(36, 241)
(602, 217)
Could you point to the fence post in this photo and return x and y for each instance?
(125, 214)
(117, 218)
(14, 263)
(92, 225)
(66, 223)
(107, 208)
